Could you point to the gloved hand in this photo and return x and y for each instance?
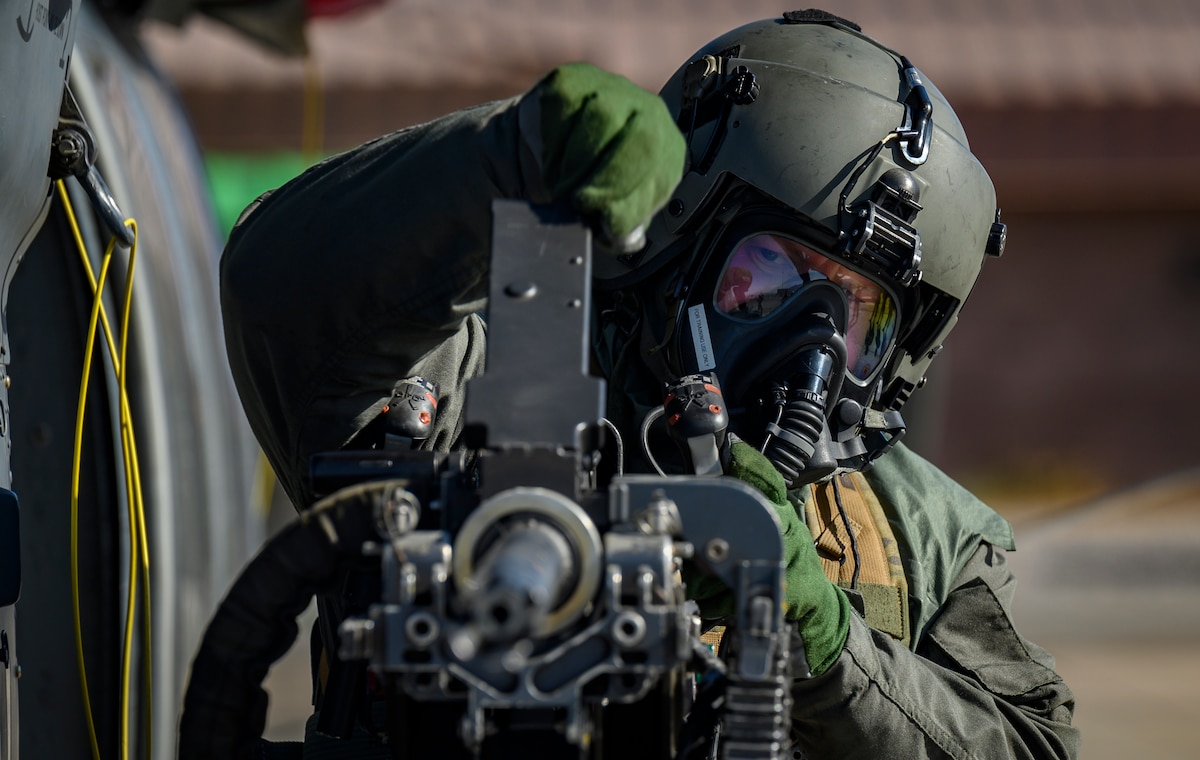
(813, 602)
(609, 148)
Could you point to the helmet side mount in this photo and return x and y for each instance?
(710, 91)
(879, 233)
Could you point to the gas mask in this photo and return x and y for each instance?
(794, 328)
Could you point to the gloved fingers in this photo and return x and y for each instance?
(748, 465)
(582, 112)
(819, 609)
(629, 182)
(609, 148)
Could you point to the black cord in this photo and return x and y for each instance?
(870, 156)
(780, 399)
(837, 496)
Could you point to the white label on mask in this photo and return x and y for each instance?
(701, 339)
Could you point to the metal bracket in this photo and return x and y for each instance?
(917, 130)
(538, 302)
(886, 243)
(73, 154)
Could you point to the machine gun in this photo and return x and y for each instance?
(523, 603)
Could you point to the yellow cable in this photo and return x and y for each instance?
(139, 542)
(75, 473)
(87, 266)
(139, 506)
(131, 602)
(138, 548)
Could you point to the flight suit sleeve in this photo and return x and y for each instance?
(368, 268)
(973, 688)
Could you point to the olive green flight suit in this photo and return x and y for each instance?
(372, 266)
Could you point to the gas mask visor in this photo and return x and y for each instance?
(766, 269)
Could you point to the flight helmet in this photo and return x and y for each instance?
(829, 226)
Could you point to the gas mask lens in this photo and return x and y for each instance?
(766, 269)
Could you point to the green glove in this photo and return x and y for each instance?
(609, 148)
(813, 602)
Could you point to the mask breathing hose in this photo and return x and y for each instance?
(792, 437)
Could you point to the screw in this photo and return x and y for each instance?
(717, 550)
(521, 290)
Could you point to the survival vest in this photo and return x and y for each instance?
(858, 552)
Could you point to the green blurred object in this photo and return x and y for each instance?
(814, 603)
(608, 146)
(237, 179)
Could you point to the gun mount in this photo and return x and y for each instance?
(524, 607)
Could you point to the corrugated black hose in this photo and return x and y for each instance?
(225, 706)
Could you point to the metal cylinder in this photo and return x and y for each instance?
(527, 561)
(526, 573)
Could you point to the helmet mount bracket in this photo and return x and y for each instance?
(883, 242)
(709, 94)
(916, 131)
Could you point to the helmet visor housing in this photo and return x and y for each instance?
(765, 270)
